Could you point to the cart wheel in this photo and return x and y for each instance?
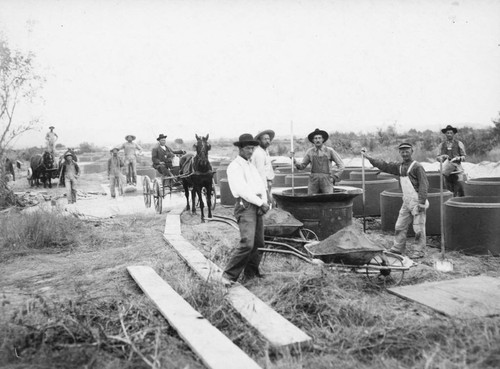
(157, 195)
(146, 191)
(385, 277)
(307, 234)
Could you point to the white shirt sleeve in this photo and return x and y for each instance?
(245, 182)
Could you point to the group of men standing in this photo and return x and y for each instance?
(250, 178)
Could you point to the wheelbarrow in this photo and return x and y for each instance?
(279, 237)
(380, 267)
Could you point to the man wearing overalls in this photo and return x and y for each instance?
(454, 151)
(415, 186)
(131, 150)
(115, 170)
(322, 177)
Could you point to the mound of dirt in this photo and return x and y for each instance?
(278, 216)
(348, 239)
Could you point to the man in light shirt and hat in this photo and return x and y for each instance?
(320, 156)
(262, 160)
(131, 150)
(50, 140)
(250, 193)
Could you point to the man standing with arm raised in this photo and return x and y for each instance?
(250, 193)
(415, 186)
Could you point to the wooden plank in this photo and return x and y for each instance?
(276, 329)
(172, 224)
(213, 348)
(465, 297)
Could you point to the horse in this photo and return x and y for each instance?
(42, 169)
(196, 173)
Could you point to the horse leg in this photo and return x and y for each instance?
(209, 199)
(193, 199)
(186, 193)
(202, 205)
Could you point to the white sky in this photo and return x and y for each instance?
(227, 67)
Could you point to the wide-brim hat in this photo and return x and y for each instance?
(246, 139)
(114, 148)
(317, 131)
(269, 132)
(127, 136)
(161, 136)
(68, 154)
(449, 128)
(52, 127)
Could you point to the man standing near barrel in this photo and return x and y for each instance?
(452, 150)
(322, 177)
(262, 160)
(415, 186)
(250, 193)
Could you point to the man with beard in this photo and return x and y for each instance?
(262, 160)
(452, 150)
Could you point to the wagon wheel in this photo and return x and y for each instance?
(146, 191)
(307, 234)
(157, 195)
(385, 277)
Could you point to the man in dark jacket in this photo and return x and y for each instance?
(163, 156)
(415, 186)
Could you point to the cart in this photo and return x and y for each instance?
(157, 189)
(381, 267)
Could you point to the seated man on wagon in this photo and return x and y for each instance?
(163, 156)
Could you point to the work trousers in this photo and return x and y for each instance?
(320, 183)
(246, 257)
(115, 180)
(132, 161)
(409, 213)
(455, 184)
(71, 189)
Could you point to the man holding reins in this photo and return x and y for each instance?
(322, 177)
(415, 186)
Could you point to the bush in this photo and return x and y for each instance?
(37, 230)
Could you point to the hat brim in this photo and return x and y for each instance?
(311, 135)
(269, 132)
(444, 130)
(52, 127)
(246, 143)
(160, 138)
(127, 136)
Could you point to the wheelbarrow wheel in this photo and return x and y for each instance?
(307, 234)
(385, 277)
(146, 191)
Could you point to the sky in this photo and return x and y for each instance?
(228, 67)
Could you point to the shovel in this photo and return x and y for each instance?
(442, 265)
(363, 187)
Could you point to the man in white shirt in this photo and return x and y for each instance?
(131, 150)
(250, 193)
(50, 140)
(262, 160)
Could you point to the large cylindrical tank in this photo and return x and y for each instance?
(324, 214)
(279, 179)
(488, 186)
(226, 197)
(372, 196)
(221, 173)
(434, 177)
(298, 180)
(347, 170)
(472, 224)
(391, 201)
(370, 175)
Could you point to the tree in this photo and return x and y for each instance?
(19, 83)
